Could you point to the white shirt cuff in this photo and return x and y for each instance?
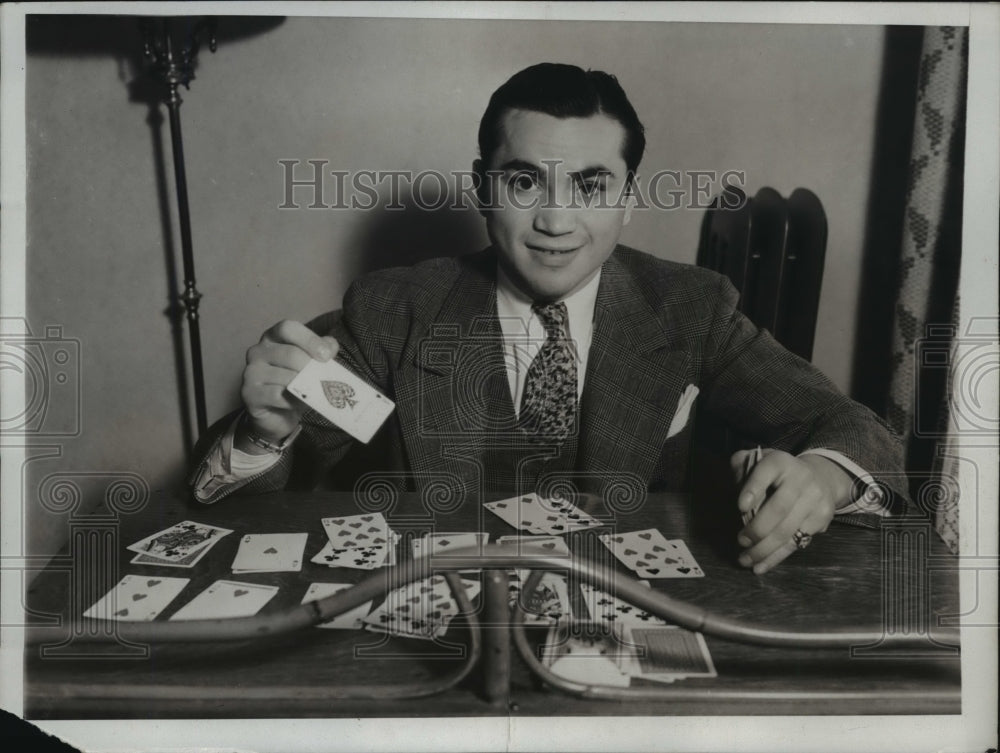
(871, 498)
(227, 465)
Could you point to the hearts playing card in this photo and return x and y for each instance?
(227, 598)
(650, 555)
(270, 553)
(349, 620)
(342, 398)
(137, 598)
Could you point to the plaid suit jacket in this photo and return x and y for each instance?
(428, 337)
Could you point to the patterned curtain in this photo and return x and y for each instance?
(926, 307)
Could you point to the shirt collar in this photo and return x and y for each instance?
(514, 307)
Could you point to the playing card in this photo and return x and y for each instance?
(551, 545)
(548, 603)
(515, 580)
(227, 598)
(362, 558)
(342, 398)
(270, 553)
(422, 609)
(349, 620)
(665, 654)
(177, 542)
(584, 653)
(137, 598)
(610, 610)
(189, 560)
(687, 560)
(573, 518)
(442, 544)
(549, 516)
(357, 531)
(649, 554)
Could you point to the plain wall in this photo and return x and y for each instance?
(788, 105)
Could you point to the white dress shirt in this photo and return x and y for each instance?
(524, 334)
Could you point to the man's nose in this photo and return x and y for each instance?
(555, 215)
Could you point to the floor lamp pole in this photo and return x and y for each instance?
(174, 65)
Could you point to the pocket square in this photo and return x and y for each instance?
(683, 412)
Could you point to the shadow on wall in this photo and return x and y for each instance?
(402, 237)
(121, 38)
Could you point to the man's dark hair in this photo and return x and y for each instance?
(563, 91)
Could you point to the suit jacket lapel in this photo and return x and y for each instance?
(456, 394)
(636, 373)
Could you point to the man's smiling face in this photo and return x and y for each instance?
(558, 209)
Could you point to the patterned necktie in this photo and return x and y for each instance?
(548, 405)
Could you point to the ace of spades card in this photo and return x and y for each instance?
(342, 398)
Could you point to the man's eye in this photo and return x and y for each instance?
(523, 182)
(591, 187)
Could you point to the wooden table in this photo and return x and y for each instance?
(900, 577)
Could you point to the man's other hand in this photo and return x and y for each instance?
(791, 494)
(283, 351)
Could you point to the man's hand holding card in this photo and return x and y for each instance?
(291, 360)
(283, 351)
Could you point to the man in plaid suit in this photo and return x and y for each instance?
(469, 348)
